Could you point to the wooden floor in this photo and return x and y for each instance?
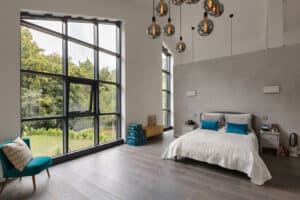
(138, 173)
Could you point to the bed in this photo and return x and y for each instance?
(231, 151)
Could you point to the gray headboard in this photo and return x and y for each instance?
(255, 121)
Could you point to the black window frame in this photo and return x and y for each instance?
(167, 73)
(67, 80)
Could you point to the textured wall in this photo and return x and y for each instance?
(236, 84)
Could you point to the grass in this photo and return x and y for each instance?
(53, 145)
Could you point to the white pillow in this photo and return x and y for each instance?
(17, 153)
(214, 116)
(240, 119)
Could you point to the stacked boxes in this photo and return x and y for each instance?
(135, 135)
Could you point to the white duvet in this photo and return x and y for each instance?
(231, 151)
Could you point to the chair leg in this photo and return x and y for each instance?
(20, 178)
(33, 181)
(47, 170)
(3, 185)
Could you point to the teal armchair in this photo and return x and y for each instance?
(34, 167)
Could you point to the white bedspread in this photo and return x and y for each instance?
(231, 151)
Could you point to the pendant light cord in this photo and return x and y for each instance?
(153, 8)
(169, 9)
(231, 33)
(180, 21)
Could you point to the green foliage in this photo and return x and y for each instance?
(43, 95)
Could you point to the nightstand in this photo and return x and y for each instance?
(188, 128)
(269, 140)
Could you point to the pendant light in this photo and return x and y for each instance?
(181, 46)
(178, 2)
(169, 29)
(161, 9)
(154, 29)
(191, 1)
(206, 26)
(213, 7)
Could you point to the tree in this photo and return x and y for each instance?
(43, 95)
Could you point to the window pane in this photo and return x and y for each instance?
(165, 62)
(49, 24)
(81, 61)
(46, 137)
(165, 118)
(41, 95)
(108, 67)
(108, 37)
(80, 98)
(108, 128)
(108, 98)
(164, 81)
(81, 133)
(82, 31)
(40, 52)
(164, 100)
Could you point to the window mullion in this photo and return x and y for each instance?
(66, 87)
(96, 77)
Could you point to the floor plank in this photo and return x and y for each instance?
(138, 173)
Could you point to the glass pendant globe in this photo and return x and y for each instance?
(181, 46)
(217, 10)
(154, 29)
(191, 1)
(169, 28)
(178, 2)
(206, 26)
(213, 7)
(161, 9)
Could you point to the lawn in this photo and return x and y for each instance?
(53, 145)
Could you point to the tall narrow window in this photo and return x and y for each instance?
(70, 83)
(166, 88)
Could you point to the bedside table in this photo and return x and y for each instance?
(269, 140)
(188, 128)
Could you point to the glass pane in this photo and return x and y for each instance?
(46, 137)
(81, 61)
(164, 100)
(164, 81)
(165, 62)
(40, 52)
(49, 24)
(80, 98)
(108, 128)
(108, 37)
(108, 98)
(81, 31)
(108, 66)
(165, 118)
(81, 133)
(41, 95)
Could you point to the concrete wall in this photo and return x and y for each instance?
(236, 84)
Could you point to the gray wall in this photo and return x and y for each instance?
(236, 84)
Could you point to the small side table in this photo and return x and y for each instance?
(188, 128)
(269, 140)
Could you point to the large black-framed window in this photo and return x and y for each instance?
(166, 88)
(70, 83)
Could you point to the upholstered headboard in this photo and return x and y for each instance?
(255, 124)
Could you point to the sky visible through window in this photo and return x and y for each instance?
(82, 31)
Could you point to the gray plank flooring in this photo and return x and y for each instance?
(138, 173)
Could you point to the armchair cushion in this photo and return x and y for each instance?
(18, 153)
(35, 166)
